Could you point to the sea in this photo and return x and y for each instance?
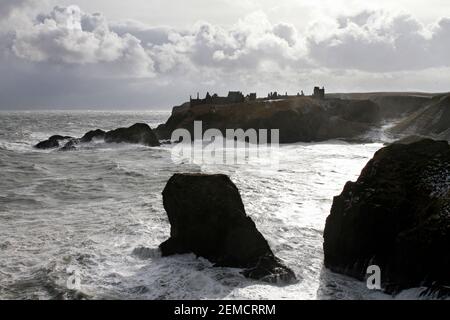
(87, 224)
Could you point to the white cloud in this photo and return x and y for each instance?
(380, 42)
(247, 45)
(70, 36)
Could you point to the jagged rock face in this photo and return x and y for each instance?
(138, 133)
(208, 218)
(52, 142)
(397, 216)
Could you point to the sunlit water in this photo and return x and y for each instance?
(87, 224)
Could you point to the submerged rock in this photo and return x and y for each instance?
(52, 142)
(397, 216)
(138, 133)
(208, 218)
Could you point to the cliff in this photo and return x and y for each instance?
(348, 116)
(393, 105)
(299, 119)
(396, 216)
(432, 120)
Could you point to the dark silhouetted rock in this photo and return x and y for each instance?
(52, 142)
(397, 216)
(93, 134)
(140, 133)
(208, 218)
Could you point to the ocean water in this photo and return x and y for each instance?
(87, 224)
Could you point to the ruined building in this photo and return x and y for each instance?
(251, 96)
(319, 93)
(276, 95)
(273, 95)
(233, 97)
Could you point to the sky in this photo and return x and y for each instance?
(153, 54)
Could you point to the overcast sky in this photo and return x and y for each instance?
(134, 54)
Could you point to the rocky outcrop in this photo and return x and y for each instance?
(208, 218)
(139, 133)
(433, 120)
(93, 134)
(297, 118)
(397, 216)
(52, 142)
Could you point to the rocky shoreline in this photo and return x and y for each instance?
(396, 216)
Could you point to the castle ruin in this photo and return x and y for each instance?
(238, 97)
(232, 97)
(319, 93)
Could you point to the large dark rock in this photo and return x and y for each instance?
(397, 216)
(93, 134)
(208, 218)
(138, 133)
(52, 142)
